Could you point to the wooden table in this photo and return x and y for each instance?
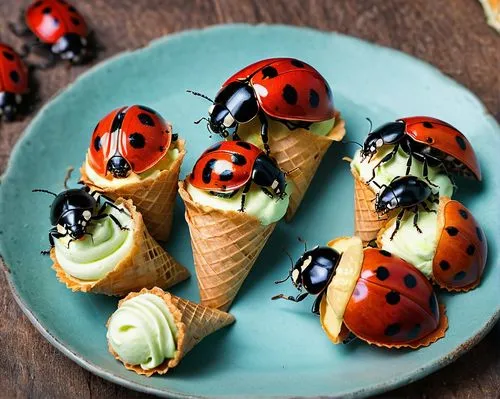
(451, 34)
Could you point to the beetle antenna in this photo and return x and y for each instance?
(303, 241)
(290, 272)
(200, 95)
(201, 119)
(41, 190)
(371, 125)
(67, 177)
(352, 142)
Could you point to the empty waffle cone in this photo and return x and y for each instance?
(299, 154)
(226, 245)
(194, 322)
(146, 265)
(153, 197)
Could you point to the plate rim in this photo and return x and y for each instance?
(396, 382)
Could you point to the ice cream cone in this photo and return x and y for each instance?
(153, 197)
(147, 265)
(226, 245)
(194, 322)
(299, 154)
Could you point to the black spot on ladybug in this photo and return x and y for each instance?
(243, 144)
(444, 265)
(137, 140)
(206, 175)
(392, 298)
(461, 142)
(55, 21)
(459, 276)
(385, 253)
(175, 136)
(428, 125)
(8, 55)
(410, 281)
(47, 10)
(14, 76)
(382, 273)
(117, 121)
(414, 332)
(147, 109)
(145, 119)
(313, 98)
(297, 63)
(238, 159)
(269, 72)
(72, 9)
(470, 250)
(479, 234)
(463, 213)
(452, 231)
(97, 143)
(290, 95)
(161, 148)
(226, 175)
(433, 304)
(75, 21)
(392, 329)
(430, 140)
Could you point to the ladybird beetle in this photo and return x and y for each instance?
(13, 82)
(376, 296)
(285, 89)
(129, 139)
(429, 140)
(57, 26)
(227, 166)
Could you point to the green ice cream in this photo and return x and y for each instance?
(143, 332)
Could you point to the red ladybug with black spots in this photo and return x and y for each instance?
(59, 28)
(13, 83)
(228, 166)
(129, 139)
(429, 140)
(285, 89)
(380, 298)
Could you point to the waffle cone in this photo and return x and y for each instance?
(226, 245)
(153, 197)
(147, 265)
(299, 153)
(194, 322)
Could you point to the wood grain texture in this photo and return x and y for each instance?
(451, 35)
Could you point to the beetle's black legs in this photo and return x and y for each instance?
(415, 219)
(398, 223)
(264, 131)
(19, 28)
(350, 338)
(317, 303)
(114, 219)
(426, 173)
(297, 298)
(267, 192)
(244, 195)
(385, 159)
(53, 233)
(426, 208)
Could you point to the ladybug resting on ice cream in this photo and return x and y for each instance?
(376, 296)
(129, 139)
(285, 89)
(228, 166)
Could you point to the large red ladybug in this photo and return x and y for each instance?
(13, 82)
(226, 167)
(430, 140)
(129, 139)
(58, 25)
(370, 293)
(285, 89)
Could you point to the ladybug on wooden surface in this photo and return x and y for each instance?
(129, 139)
(429, 140)
(14, 83)
(374, 295)
(58, 27)
(285, 89)
(73, 210)
(228, 166)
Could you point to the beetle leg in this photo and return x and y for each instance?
(398, 223)
(415, 219)
(317, 302)
(19, 28)
(385, 159)
(350, 338)
(426, 208)
(114, 219)
(112, 205)
(409, 162)
(267, 192)
(264, 131)
(297, 298)
(43, 52)
(53, 233)
(244, 195)
(426, 173)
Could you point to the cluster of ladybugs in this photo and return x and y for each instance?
(53, 28)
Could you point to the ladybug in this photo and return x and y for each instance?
(227, 166)
(285, 89)
(13, 82)
(371, 294)
(73, 210)
(429, 140)
(58, 27)
(129, 139)
(407, 193)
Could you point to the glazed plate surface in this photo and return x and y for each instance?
(274, 348)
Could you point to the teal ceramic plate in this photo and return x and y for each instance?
(275, 348)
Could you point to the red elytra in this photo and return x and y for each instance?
(13, 71)
(49, 20)
(446, 138)
(136, 133)
(393, 303)
(288, 89)
(225, 166)
(462, 249)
